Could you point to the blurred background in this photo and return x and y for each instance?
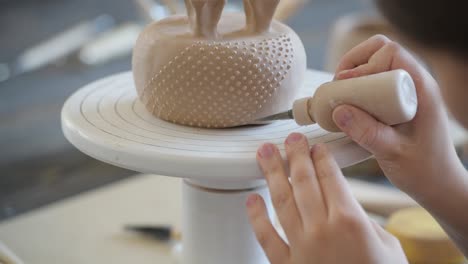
(82, 208)
(51, 48)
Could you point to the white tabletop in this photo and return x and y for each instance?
(106, 120)
(89, 228)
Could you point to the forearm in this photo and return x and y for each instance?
(459, 238)
(449, 203)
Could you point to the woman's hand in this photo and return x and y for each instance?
(323, 222)
(418, 157)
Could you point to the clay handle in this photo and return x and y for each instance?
(259, 14)
(390, 97)
(204, 16)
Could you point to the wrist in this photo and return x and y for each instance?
(446, 185)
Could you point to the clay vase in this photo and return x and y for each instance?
(214, 70)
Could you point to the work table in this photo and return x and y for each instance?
(88, 228)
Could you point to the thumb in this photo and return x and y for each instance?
(377, 138)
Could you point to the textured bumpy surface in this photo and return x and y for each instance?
(198, 75)
(220, 84)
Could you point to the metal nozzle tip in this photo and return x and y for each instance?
(280, 116)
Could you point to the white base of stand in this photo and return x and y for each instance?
(216, 228)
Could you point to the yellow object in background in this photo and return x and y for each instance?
(422, 238)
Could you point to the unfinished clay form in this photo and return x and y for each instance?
(214, 71)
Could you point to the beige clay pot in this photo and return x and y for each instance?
(213, 71)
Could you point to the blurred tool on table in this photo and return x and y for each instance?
(58, 47)
(99, 40)
(7, 256)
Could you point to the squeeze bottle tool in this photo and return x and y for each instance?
(388, 96)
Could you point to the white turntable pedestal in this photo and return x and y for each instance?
(106, 121)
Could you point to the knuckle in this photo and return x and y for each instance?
(272, 170)
(255, 214)
(324, 168)
(317, 234)
(323, 173)
(263, 239)
(350, 222)
(301, 148)
(300, 175)
(380, 38)
(281, 200)
(391, 155)
(393, 46)
(369, 136)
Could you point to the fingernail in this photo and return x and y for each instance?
(251, 200)
(293, 138)
(315, 148)
(266, 151)
(343, 117)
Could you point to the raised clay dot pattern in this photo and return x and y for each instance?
(219, 84)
